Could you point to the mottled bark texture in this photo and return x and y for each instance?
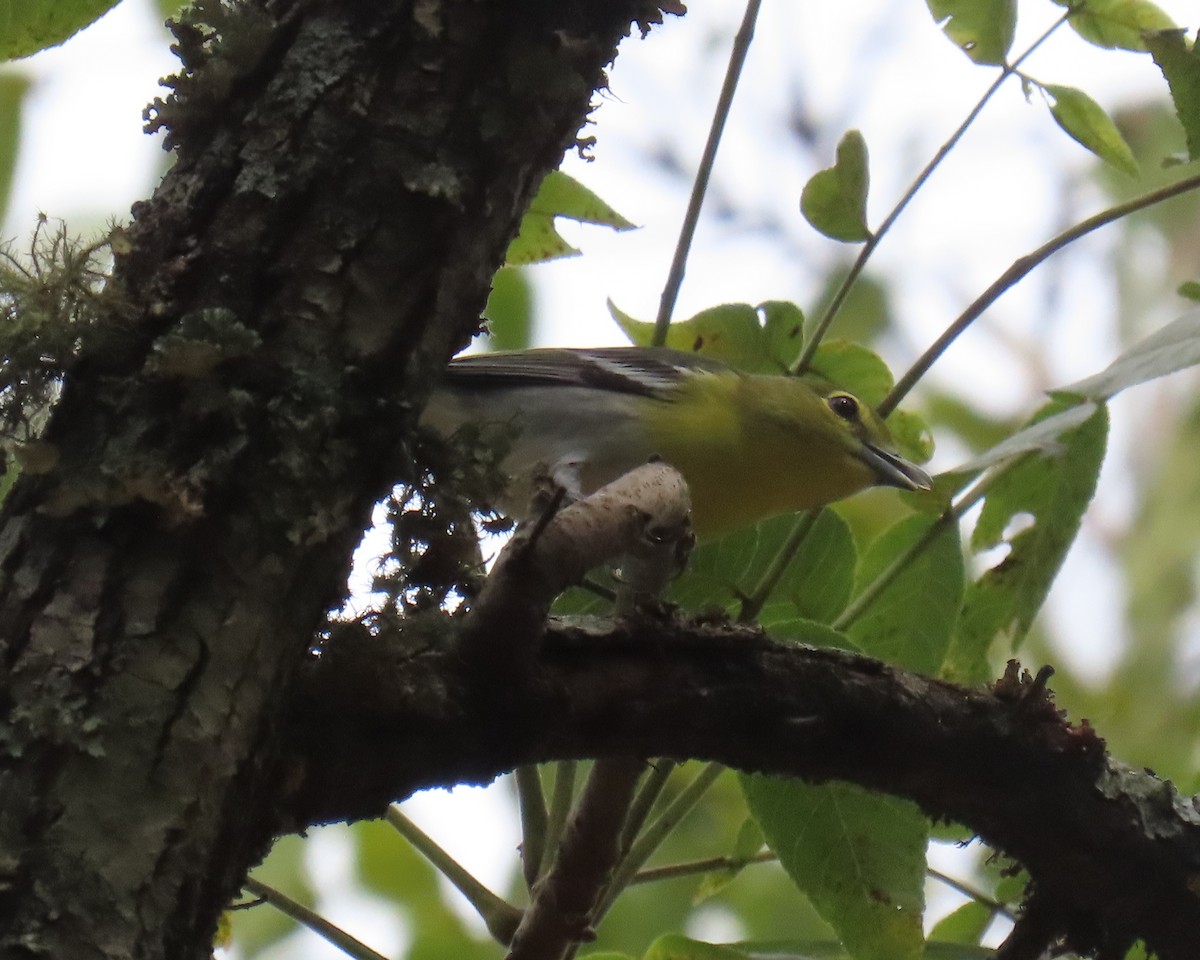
(347, 176)
(1114, 853)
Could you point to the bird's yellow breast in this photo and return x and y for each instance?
(747, 461)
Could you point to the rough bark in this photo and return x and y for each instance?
(347, 177)
(1113, 853)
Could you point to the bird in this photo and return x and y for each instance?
(750, 446)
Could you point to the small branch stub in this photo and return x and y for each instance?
(643, 515)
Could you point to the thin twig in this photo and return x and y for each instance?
(873, 590)
(692, 867)
(753, 603)
(868, 248)
(312, 920)
(500, 916)
(562, 793)
(737, 58)
(532, 802)
(1016, 272)
(967, 890)
(654, 835)
(648, 793)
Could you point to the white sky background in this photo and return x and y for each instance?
(878, 65)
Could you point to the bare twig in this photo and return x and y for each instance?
(559, 915)
(533, 821)
(737, 58)
(500, 916)
(868, 248)
(752, 604)
(654, 835)
(561, 796)
(994, 905)
(312, 920)
(673, 870)
(1016, 272)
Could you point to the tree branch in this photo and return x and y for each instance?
(1114, 851)
(560, 910)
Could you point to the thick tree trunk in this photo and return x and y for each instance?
(347, 177)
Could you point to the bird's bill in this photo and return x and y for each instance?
(893, 470)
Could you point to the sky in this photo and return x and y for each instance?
(877, 65)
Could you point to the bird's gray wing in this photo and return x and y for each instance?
(646, 371)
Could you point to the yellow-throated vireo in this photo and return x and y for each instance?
(750, 446)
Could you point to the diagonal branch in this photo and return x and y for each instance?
(559, 915)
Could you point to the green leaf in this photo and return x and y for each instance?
(509, 310)
(834, 201)
(559, 196)
(1189, 289)
(1045, 436)
(1169, 349)
(578, 602)
(766, 338)
(982, 29)
(1085, 121)
(675, 946)
(1116, 23)
(567, 197)
(783, 626)
(747, 844)
(749, 841)
(537, 242)
(1051, 490)
(1011, 887)
(783, 331)
(815, 585)
(910, 622)
(855, 368)
(731, 332)
(33, 25)
(911, 434)
(859, 857)
(967, 924)
(12, 96)
(1180, 64)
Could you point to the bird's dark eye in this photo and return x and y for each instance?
(844, 405)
